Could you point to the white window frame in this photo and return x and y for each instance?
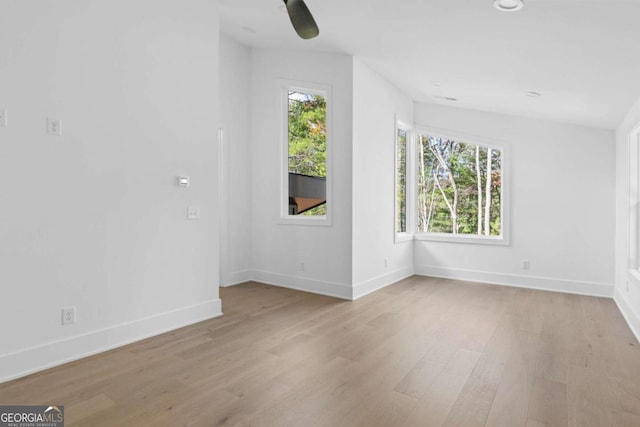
(503, 239)
(316, 89)
(409, 187)
(634, 205)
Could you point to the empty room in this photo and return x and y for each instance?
(320, 213)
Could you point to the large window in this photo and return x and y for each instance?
(306, 186)
(459, 189)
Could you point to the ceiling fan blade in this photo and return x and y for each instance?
(301, 18)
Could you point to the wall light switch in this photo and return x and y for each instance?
(183, 181)
(193, 212)
(3, 118)
(54, 127)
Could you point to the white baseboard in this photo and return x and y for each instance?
(235, 278)
(28, 361)
(519, 281)
(331, 289)
(632, 318)
(372, 285)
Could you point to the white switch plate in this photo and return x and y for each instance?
(54, 127)
(183, 181)
(193, 212)
(3, 118)
(68, 316)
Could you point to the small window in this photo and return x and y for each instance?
(306, 186)
(459, 188)
(402, 139)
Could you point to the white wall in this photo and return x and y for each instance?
(235, 100)
(277, 249)
(376, 104)
(627, 291)
(94, 219)
(561, 194)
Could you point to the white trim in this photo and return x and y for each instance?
(463, 137)
(463, 238)
(634, 275)
(223, 203)
(34, 359)
(338, 290)
(236, 278)
(519, 281)
(317, 89)
(633, 198)
(505, 219)
(307, 220)
(382, 281)
(332, 289)
(632, 318)
(403, 237)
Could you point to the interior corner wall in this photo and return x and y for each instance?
(561, 194)
(278, 250)
(235, 98)
(94, 219)
(377, 260)
(627, 285)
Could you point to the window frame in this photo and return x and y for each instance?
(407, 235)
(504, 238)
(316, 89)
(633, 211)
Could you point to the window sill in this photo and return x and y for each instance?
(318, 221)
(463, 238)
(635, 275)
(403, 237)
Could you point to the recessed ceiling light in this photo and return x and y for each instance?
(533, 94)
(436, 84)
(508, 5)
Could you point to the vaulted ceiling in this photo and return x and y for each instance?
(582, 56)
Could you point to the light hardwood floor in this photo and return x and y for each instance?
(422, 352)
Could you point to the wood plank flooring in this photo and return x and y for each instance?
(422, 352)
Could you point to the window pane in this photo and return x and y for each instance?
(307, 153)
(401, 181)
(459, 187)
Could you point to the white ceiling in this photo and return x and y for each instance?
(583, 56)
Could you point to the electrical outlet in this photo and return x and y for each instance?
(386, 262)
(302, 266)
(525, 265)
(54, 127)
(193, 212)
(3, 118)
(68, 316)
